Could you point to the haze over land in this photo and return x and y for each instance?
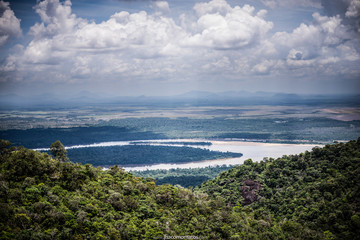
(132, 48)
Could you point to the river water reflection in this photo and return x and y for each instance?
(253, 150)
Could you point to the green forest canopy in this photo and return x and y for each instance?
(314, 195)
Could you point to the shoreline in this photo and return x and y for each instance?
(134, 167)
(256, 151)
(250, 142)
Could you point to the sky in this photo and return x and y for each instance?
(141, 47)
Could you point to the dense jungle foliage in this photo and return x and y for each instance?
(314, 195)
(318, 190)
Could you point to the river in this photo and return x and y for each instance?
(253, 150)
(250, 150)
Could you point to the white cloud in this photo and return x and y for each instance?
(348, 10)
(161, 7)
(56, 19)
(312, 40)
(63, 40)
(325, 47)
(214, 39)
(224, 63)
(295, 55)
(220, 26)
(79, 48)
(354, 9)
(264, 67)
(122, 31)
(9, 23)
(212, 7)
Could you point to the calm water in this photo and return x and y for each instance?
(253, 150)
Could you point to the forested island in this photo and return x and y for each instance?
(313, 195)
(144, 154)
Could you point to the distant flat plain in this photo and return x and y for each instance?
(256, 131)
(92, 115)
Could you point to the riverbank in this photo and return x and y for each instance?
(256, 151)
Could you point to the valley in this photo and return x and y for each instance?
(108, 133)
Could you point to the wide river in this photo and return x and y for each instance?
(250, 150)
(253, 150)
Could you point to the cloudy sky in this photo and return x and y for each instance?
(139, 47)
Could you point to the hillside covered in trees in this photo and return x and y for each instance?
(314, 195)
(318, 191)
(186, 177)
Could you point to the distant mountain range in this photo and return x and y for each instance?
(201, 98)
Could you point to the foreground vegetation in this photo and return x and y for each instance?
(317, 190)
(44, 198)
(314, 195)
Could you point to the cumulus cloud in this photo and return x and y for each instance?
(123, 44)
(133, 39)
(354, 9)
(212, 39)
(264, 67)
(161, 7)
(57, 18)
(222, 27)
(325, 46)
(348, 10)
(124, 30)
(61, 34)
(324, 31)
(9, 23)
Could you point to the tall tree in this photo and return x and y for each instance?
(59, 152)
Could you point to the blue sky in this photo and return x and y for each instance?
(137, 47)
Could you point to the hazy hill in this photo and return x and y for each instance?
(198, 98)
